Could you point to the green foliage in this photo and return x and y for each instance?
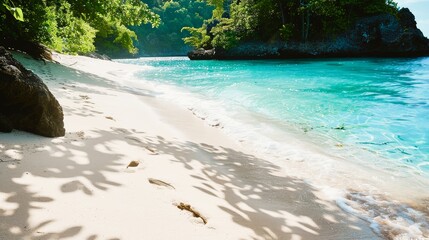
(198, 38)
(67, 33)
(378, 6)
(51, 36)
(76, 26)
(286, 31)
(79, 26)
(78, 37)
(113, 20)
(15, 11)
(243, 19)
(284, 20)
(125, 38)
(224, 34)
(218, 8)
(178, 19)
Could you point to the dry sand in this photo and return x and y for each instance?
(79, 186)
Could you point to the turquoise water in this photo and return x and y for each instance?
(377, 105)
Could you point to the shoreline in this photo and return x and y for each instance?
(79, 186)
(308, 156)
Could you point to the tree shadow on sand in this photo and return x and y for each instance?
(82, 162)
(257, 196)
(26, 155)
(245, 182)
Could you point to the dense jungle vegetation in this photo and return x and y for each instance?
(75, 26)
(167, 38)
(233, 21)
(121, 27)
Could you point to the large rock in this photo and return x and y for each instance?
(26, 102)
(381, 36)
(202, 54)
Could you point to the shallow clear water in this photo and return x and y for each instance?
(378, 105)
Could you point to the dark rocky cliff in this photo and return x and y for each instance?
(378, 36)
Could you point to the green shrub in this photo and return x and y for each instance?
(286, 31)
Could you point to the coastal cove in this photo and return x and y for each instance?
(208, 120)
(253, 171)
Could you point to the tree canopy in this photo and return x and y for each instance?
(281, 20)
(166, 39)
(81, 26)
(76, 26)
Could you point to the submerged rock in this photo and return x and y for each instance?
(26, 102)
(378, 36)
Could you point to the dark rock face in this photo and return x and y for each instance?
(390, 36)
(202, 54)
(25, 101)
(378, 36)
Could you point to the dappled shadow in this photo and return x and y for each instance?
(255, 194)
(272, 205)
(82, 162)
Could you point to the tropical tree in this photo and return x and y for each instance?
(166, 39)
(282, 20)
(75, 26)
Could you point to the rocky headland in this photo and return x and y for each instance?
(383, 35)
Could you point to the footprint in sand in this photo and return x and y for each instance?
(160, 183)
(10, 161)
(84, 97)
(134, 163)
(152, 152)
(132, 166)
(195, 213)
(81, 134)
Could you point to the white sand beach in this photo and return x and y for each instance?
(79, 186)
